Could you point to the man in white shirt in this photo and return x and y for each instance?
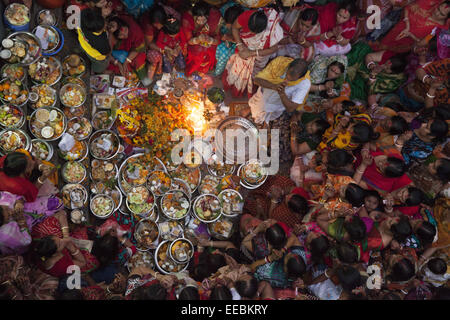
(278, 94)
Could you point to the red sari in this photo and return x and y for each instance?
(199, 58)
(420, 25)
(17, 185)
(134, 42)
(51, 227)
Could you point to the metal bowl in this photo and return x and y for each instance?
(79, 119)
(178, 175)
(66, 191)
(3, 73)
(220, 236)
(144, 214)
(52, 28)
(17, 132)
(196, 201)
(162, 207)
(49, 147)
(169, 235)
(182, 185)
(74, 80)
(166, 244)
(28, 38)
(65, 88)
(64, 167)
(54, 61)
(172, 255)
(33, 115)
(82, 62)
(80, 157)
(109, 213)
(140, 256)
(122, 167)
(18, 124)
(116, 176)
(247, 184)
(113, 152)
(139, 225)
(13, 7)
(23, 87)
(55, 96)
(230, 214)
(156, 191)
(213, 172)
(47, 12)
(96, 115)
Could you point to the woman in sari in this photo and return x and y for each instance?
(301, 27)
(257, 33)
(128, 48)
(54, 249)
(419, 144)
(419, 20)
(337, 28)
(227, 47)
(432, 176)
(371, 73)
(202, 28)
(35, 180)
(21, 282)
(327, 76)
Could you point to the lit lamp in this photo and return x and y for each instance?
(196, 118)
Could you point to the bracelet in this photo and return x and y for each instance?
(267, 259)
(257, 53)
(107, 289)
(398, 144)
(369, 64)
(326, 274)
(75, 253)
(123, 241)
(274, 201)
(430, 96)
(338, 40)
(129, 60)
(39, 180)
(360, 171)
(303, 42)
(326, 36)
(64, 228)
(424, 77)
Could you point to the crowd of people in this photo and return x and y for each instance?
(363, 117)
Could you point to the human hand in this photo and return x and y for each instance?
(299, 283)
(281, 87)
(405, 137)
(437, 83)
(275, 255)
(329, 85)
(244, 52)
(337, 31)
(367, 159)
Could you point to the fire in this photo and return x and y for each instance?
(196, 118)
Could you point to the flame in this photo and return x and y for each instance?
(196, 118)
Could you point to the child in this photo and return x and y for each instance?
(373, 206)
(172, 44)
(436, 272)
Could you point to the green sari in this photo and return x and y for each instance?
(358, 75)
(336, 229)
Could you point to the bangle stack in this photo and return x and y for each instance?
(430, 96)
(424, 77)
(370, 63)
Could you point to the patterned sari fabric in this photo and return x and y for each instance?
(239, 73)
(318, 74)
(42, 286)
(441, 211)
(358, 75)
(51, 227)
(439, 68)
(416, 149)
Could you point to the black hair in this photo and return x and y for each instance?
(70, 294)
(337, 63)
(396, 167)
(276, 236)
(171, 26)
(403, 270)
(398, 125)
(215, 261)
(157, 14)
(257, 22)
(15, 164)
(298, 204)
(120, 24)
(401, 230)
(348, 5)
(310, 14)
(442, 293)
(426, 233)
(296, 267)
(442, 111)
(247, 289)
(363, 132)
(437, 266)
(355, 195)
(391, 296)
(322, 126)
(443, 170)
(105, 249)
(45, 247)
(200, 272)
(92, 20)
(347, 253)
(416, 196)
(396, 106)
(152, 292)
(200, 9)
(349, 277)
(5, 293)
(237, 255)
(189, 293)
(232, 13)
(220, 293)
(298, 65)
(337, 159)
(398, 63)
(2, 218)
(375, 194)
(439, 129)
(318, 247)
(356, 229)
